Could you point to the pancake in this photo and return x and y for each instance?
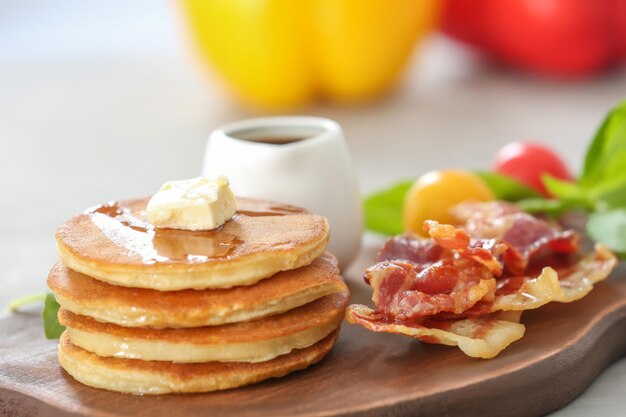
(115, 243)
(139, 307)
(149, 377)
(255, 341)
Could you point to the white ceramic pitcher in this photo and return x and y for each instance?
(302, 161)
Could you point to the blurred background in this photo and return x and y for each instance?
(106, 100)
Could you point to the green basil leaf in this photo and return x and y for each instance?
(542, 205)
(506, 188)
(383, 209)
(611, 200)
(570, 193)
(606, 156)
(552, 207)
(609, 227)
(608, 186)
(51, 325)
(560, 188)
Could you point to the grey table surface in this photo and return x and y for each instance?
(104, 100)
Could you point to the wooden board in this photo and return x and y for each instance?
(566, 346)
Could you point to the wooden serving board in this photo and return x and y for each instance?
(565, 347)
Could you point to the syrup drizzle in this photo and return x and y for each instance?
(275, 210)
(129, 230)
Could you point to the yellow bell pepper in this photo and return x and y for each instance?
(283, 53)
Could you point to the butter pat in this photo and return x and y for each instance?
(196, 204)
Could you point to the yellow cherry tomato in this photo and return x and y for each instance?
(434, 193)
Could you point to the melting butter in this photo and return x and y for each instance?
(195, 204)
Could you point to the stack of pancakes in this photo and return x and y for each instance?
(152, 311)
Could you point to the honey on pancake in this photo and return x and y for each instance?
(279, 210)
(130, 230)
(115, 243)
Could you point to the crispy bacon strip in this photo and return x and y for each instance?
(526, 292)
(448, 289)
(462, 276)
(562, 286)
(482, 337)
(451, 285)
(419, 251)
(524, 233)
(485, 252)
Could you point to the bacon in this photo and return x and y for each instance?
(526, 235)
(448, 288)
(482, 337)
(408, 248)
(564, 285)
(482, 251)
(459, 279)
(475, 211)
(450, 285)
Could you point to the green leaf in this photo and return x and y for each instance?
(552, 207)
(609, 186)
(613, 199)
(542, 205)
(26, 300)
(570, 193)
(606, 156)
(506, 188)
(51, 325)
(383, 209)
(560, 188)
(609, 227)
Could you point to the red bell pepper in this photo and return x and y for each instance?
(561, 38)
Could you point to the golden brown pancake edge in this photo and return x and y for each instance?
(119, 246)
(323, 311)
(151, 377)
(138, 307)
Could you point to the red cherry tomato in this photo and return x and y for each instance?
(527, 162)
